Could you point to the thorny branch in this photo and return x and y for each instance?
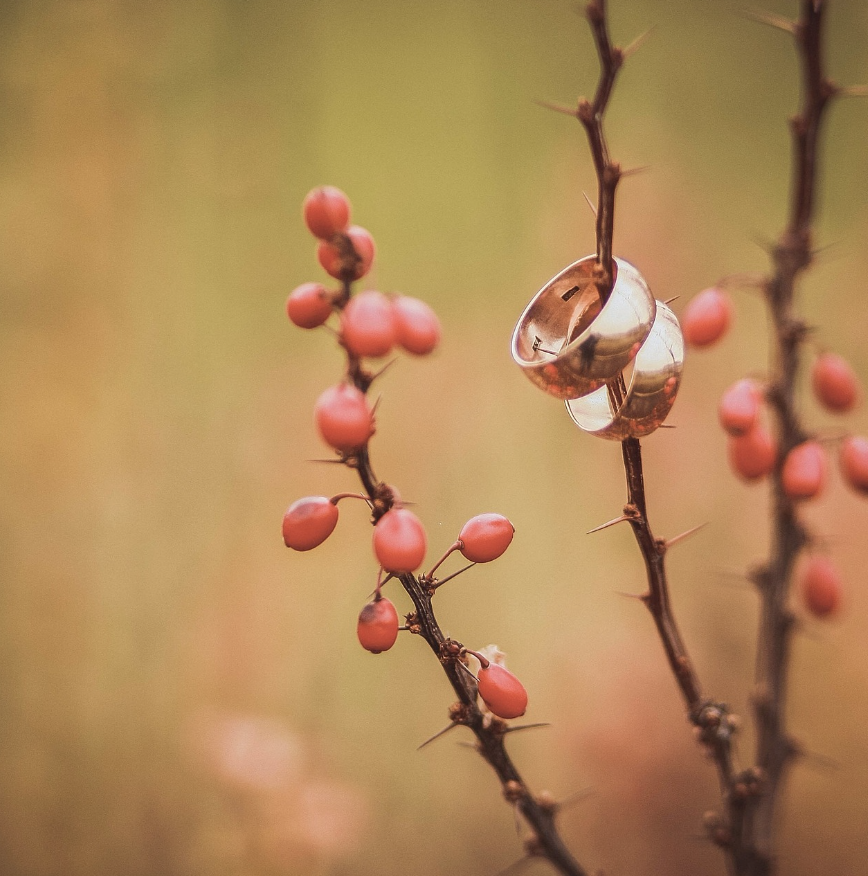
(790, 257)
(714, 725)
(544, 840)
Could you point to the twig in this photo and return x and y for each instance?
(714, 725)
(490, 731)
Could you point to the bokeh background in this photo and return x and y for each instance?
(179, 694)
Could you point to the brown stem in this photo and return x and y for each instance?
(790, 256)
(715, 726)
(544, 841)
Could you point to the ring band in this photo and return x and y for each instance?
(570, 346)
(652, 388)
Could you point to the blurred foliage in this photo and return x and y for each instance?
(179, 694)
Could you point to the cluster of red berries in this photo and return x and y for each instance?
(371, 324)
(753, 450)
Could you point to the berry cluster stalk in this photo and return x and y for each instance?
(346, 423)
(489, 730)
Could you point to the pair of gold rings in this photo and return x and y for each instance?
(573, 347)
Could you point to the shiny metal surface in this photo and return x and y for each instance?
(651, 390)
(567, 344)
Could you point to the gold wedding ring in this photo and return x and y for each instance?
(651, 390)
(568, 344)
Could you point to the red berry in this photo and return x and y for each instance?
(418, 327)
(853, 459)
(485, 537)
(309, 305)
(752, 455)
(502, 692)
(834, 383)
(739, 407)
(329, 254)
(803, 475)
(368, 324)
(326, 211)
(821, 586)
(378, 625)
(343, 417)
(400, 541)
(707, 317)
(309, 522)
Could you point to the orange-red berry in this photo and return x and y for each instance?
(400, 541)
(309, 522)
(334, 263)
(821, 586)
(502, 692)
(378, 625)
(739, 407)
(752, 455)
(853, 459)
(309, 305)
(803, 475)
(368, 324)
(416, 324)
(343, 417)
(485, 537)
(706, 318)
(834, 383)
(326, 211)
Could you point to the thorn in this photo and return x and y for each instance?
(669, 301)
(375, 405)
(512, 729)
(779, 22)
(557, 107)
(383, 370)
(623, 518)
(442, 581)
(642, 597)
(819, 761)
(754, 281)
(667, 426)
(437, 735)
(686, 534)
(634, 47)
(853, 91)
(591, 204)
(514, 867)
(576, 797)
(634, 171)
(338, 461)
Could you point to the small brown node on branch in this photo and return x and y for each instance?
(459, 713)
(534, 846)
(717, 828)
(513, 791)
(450, 651)
(584, 111)
(547, 802)
(612, 173)
(411, 621)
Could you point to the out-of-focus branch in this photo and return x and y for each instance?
(790, 257)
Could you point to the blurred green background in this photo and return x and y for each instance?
(180, 695)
